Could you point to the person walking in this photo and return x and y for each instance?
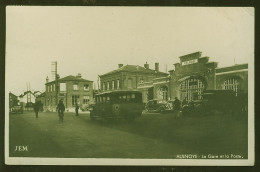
(36, 108)
(60, 108)
(77, 109)
(177, 107)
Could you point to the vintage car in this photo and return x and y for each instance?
(158, 106)
(86, 107)
(117, 105)
(17, 109)
(223, 101)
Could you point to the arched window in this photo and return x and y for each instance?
(191, 89)
(231, 84)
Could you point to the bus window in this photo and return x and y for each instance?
(128, 97)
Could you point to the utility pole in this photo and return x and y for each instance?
(55, 75)
(98, 82)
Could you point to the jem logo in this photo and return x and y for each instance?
(21, 148)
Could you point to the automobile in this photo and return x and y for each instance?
(86, 107)
(160, 106)
(212, 101)
(17, 109)
(118, 104)
(90, 107)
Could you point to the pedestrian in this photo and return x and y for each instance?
(36, 108)
(60, 108)
(177, 107)
(77, 109)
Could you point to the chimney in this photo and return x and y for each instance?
(79, 75)
(146, 66)
(120, 65)
(156, 67)
(47, 79)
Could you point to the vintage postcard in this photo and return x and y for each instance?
(129, 86)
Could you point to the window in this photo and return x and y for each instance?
(113, 85)
(104, 86)
(51, 87)
(75, 87)
(129, 83)
(107, 99)
(231, 84)
(75, 99)
(85, 99)
(62, 86)
(118, 84)
(162, 93)
(86, 87)
(107, 85)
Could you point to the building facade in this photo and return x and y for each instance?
(71, 90)
(13, 100)
(194, 74)
(27, 99)
(128, 77)
(233, 78)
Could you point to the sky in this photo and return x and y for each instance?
(94, 40)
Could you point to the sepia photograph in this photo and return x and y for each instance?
(129, 86)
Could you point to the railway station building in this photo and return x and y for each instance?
(194, 74)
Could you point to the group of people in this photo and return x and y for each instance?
(177, 105)
(60, 109)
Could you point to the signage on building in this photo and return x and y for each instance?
(189, 62)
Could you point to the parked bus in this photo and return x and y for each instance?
(117, 105)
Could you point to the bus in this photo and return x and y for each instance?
(117, 105)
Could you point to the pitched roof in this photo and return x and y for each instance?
(26, 92)
(42, 94)
(12, 94)
(133, 68)
(232, 68)
(71, 78)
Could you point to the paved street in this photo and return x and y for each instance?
(150, 136)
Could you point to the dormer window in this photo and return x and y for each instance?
(75, 87)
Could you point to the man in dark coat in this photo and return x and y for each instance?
(60, 108)
(177, 104)
(36, 108)
(177, 107)
(77, 109)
